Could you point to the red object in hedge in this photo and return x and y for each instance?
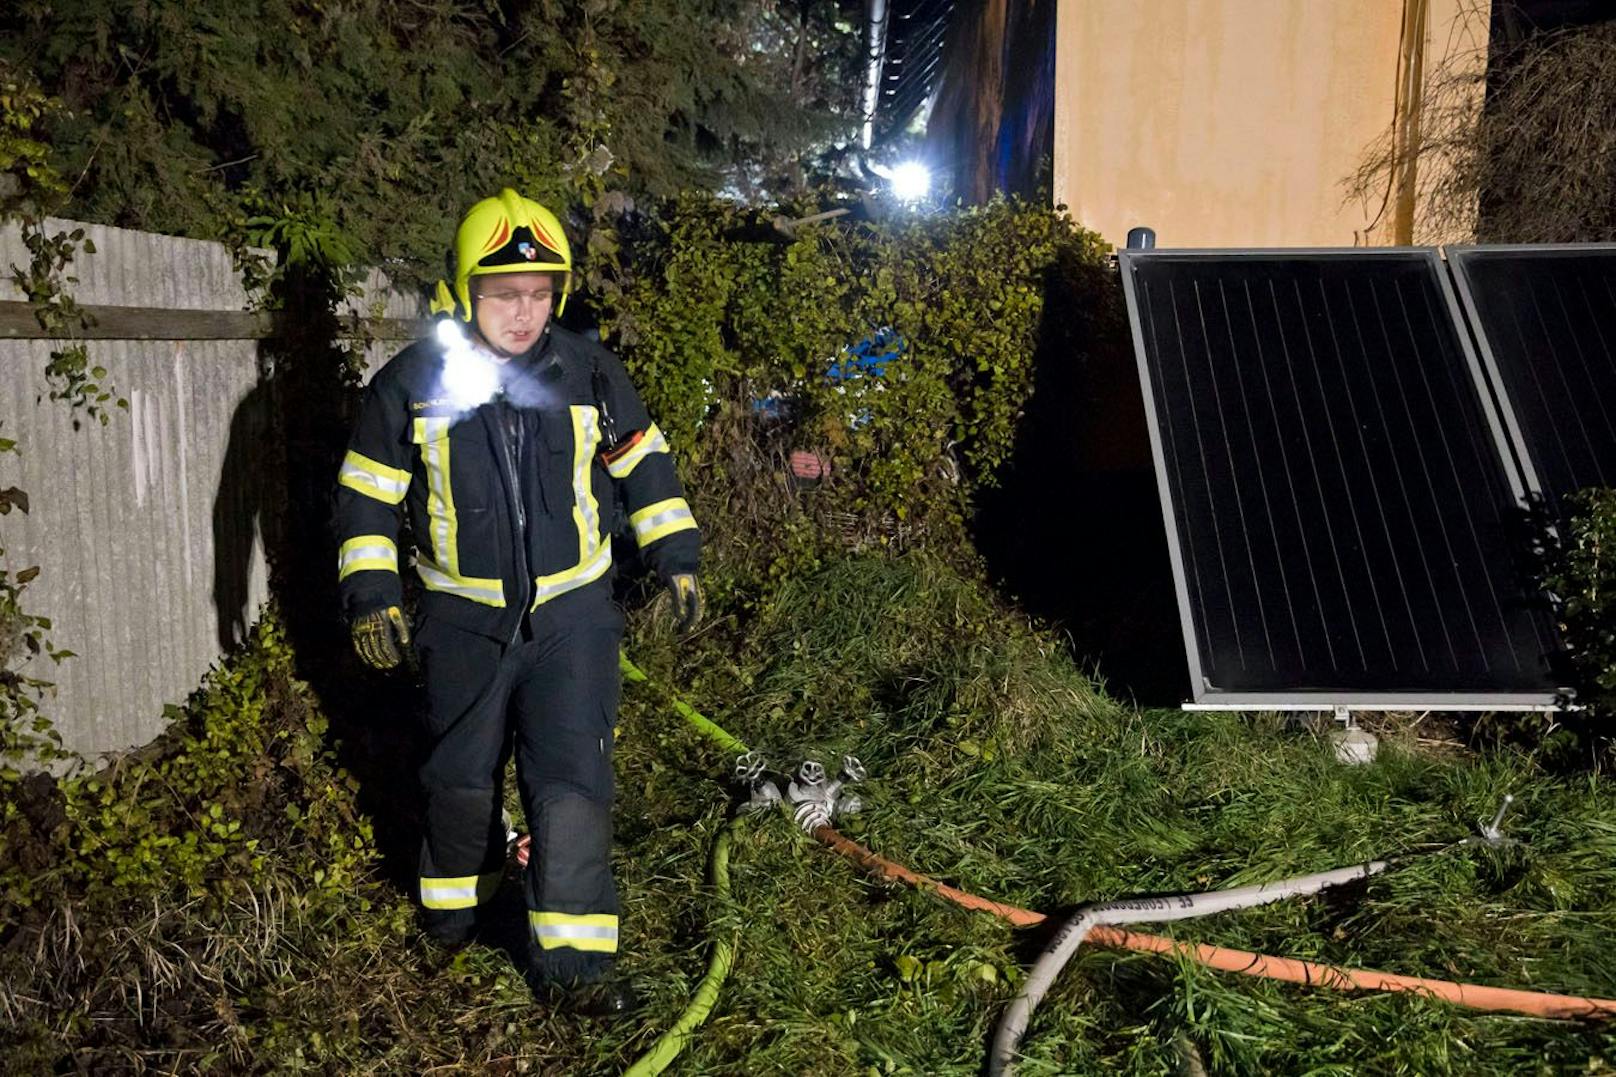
(809, 466)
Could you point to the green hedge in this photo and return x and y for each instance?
(715, 309)
(246, 759)
(1585, 581)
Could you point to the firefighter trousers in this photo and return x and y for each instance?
(551, 699)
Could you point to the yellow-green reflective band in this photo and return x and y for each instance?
(366, 552)
(661, 520)
(488, 592)
(594, 556)
(547, 587)
(651, 441)
(585, 510)
(385, 484)
(464, 892)
(432, 434)
(596, 932)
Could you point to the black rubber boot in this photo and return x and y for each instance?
(445, 932)
(608, 1000)
(610, 997)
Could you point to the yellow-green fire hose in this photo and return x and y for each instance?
(671, 1042)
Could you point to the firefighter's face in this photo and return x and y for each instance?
(510, 310)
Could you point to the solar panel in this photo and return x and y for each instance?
(1339, 499)
(1545, 322)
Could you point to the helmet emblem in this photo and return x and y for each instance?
(528, 251)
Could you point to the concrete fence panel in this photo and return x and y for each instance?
(146, 530)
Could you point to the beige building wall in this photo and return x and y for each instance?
(1236, 123)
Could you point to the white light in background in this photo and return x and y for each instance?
(911, 181)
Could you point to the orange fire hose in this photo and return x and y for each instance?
(1291, 970)
(1475, 996)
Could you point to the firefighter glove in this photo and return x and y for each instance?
(381, 637)
(686, 598)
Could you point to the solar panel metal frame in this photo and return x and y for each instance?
(1206, 698)
(1459, 257)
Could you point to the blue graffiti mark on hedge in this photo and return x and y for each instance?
(772, 406)
(869, 357)
(865, 361)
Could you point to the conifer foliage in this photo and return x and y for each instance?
(383, 119)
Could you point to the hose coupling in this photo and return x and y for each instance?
(817, 801)
(752, 770)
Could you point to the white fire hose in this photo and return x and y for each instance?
(1013, 1025)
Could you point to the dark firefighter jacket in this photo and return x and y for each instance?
(502, 469)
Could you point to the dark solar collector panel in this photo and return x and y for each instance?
(1545, 321)
(1336, 493)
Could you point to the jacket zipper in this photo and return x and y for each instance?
(511, 430)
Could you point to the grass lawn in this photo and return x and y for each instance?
(996, 765)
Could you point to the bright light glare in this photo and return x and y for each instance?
(469, 377)
(451, 335)
(911, 181)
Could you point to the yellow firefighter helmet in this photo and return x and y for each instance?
(504, 234)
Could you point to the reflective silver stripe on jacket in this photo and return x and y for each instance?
(364, 475)
(661, 519)
(366, 552)
(651, 441)
(547, 587)
(488, 592)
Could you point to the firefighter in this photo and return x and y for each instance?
(511, 444)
